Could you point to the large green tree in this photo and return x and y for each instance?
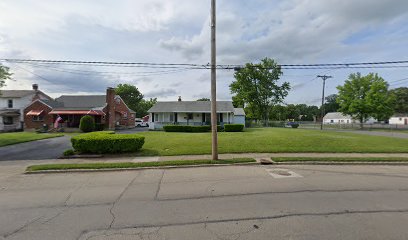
(401, 99)
(144, 106)
(256, 85)
(367, 96)
(134, 99)
(331, 104)
(4, 75)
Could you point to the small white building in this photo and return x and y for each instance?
(340, 118)
(195, 113)
(399, 119)
(12, 105)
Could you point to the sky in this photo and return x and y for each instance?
(178, 31)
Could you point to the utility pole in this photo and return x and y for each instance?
(324, 78)
(214, 146)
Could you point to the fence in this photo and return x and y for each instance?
(316, 125)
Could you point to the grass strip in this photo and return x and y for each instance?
(71, 166)
(22, 137)
(339, 159)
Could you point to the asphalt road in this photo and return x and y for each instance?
(235, 202)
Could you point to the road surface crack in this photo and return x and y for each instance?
(159, 185)
(118, 199)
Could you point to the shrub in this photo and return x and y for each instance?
(233, 127)
(107, 142)
(69, 152)
(87, 124)
(181, 128)
(295, 125)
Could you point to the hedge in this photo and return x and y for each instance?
(107, 142)
(182, 128)
(233, 127)
(87, 124)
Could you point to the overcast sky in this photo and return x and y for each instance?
(178, 31)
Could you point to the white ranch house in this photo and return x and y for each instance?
(399, 119)
(339, 118)
(194, 113)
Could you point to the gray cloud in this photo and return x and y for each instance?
(161, 93)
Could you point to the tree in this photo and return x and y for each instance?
(256, 86)
(130, 95)
(331, 104)
(367, 96)
(144, 106)
(4, 75)
(203, 100)
(401, 99)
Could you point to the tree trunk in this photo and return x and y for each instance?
(361, 122)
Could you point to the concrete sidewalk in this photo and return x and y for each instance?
(256, 156)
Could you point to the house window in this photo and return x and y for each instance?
(8, 120)
(125, 115)
(189, 116)
(400, 119)
(171, 117)
(38, 118)
(10, 103)
(156, 117)
(332, 121)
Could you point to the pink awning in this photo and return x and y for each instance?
(35, 112)
(78, 112)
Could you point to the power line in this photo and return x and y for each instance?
(381, 64)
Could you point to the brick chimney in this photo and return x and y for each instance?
(179, 99)
(110, 100)
(36, 95)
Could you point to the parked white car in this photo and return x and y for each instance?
(140, 123)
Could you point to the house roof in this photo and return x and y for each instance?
(81, 101)
(239, 112)
(17, 93)
(336, 115)
(191, 106)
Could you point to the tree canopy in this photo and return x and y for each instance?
(203, 100)
(331, 104)
(401, 99)
(367, 96)
(256, 86)
(4, 75)
(134, 99)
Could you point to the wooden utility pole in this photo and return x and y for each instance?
(214, 145)
(324, 78)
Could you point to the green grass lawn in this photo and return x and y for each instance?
(20, 137)
(34, 168)
(270, 140)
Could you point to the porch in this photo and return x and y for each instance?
(158, 120)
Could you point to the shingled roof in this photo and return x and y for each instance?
(16, 93)
(191, 106)
(81, 101)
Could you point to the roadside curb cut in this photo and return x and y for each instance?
(136, 169)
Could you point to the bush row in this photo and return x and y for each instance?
(181, 128)
(107, 142)
(233, 127)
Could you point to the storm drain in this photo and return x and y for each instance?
(282, 173)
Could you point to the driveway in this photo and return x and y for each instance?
(234, 202)
(50, 148)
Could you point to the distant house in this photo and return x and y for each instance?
(340, 118)
(399, 119)
(12, 105)
(193, 113)
(108, 110)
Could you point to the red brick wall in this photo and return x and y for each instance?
(47, 119)
(117, 106)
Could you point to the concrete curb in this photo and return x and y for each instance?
(393, 163)
(135, 169)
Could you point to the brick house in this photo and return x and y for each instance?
(12, 105)
(108, 110)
